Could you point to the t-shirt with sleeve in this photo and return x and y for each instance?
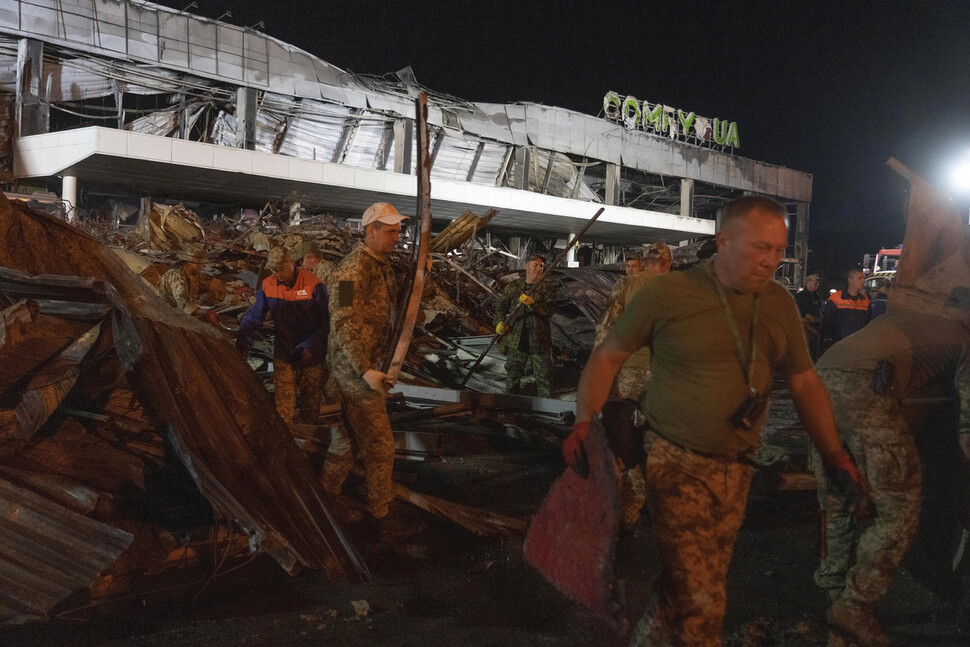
(698, 381)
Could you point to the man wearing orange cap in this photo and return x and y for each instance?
(363, 290)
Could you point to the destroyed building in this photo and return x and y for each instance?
(113, 112)
(105, 101)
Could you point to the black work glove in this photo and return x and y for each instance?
(849, 485)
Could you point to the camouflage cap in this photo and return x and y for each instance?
(278, 256)
(813, 277)
(660, 251)
(304, 248)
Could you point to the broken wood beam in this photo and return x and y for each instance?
(475, 520)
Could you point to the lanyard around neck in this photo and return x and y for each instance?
(747, 367)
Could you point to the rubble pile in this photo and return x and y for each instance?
(460, 295)
(127, 427)
(136, 439)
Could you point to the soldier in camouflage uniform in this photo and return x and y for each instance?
(634, 377)
(717, 333)
(868, 375)
(309, 256)
(528, 334)
(364, 291)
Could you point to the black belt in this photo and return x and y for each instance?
(739, 456)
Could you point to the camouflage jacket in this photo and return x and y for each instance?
(623, 292)
(363, 290)
(531, 321)
(179, 290)
(324, 270)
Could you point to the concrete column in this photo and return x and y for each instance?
(32, 112)
(523, 167)
(69, 196)
(403, 134)
(296, 211)
(245, 118)
(571, 255)
(686, 197)
(517, 245)
(612, 183)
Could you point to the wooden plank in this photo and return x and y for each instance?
(475, 520)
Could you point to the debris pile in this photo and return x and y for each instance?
(135, 440)
(126, 426)
(460, 293)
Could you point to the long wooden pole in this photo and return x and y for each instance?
(393, 367)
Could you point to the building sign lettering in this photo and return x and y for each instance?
(670, 122)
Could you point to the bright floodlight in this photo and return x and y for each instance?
(960, 175)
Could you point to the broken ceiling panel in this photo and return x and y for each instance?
(454, 159)
(488, 120)
(174, 46)
(74, 81)
(362, 150)
(491, 164)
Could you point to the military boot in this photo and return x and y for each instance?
(853, 620)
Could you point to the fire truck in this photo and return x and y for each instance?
(884, 261)
(880, 269)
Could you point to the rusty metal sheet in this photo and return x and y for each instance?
(197, 387)
(47, 552)
(48, 388)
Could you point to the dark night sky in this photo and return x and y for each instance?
(829, 88)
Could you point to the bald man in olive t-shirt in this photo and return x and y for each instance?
(706, 402)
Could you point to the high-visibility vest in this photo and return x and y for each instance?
(843, 301)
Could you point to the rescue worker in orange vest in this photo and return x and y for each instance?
(845, 312)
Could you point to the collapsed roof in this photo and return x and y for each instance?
(163, 72)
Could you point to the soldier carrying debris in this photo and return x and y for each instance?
(529, 336)
(716, 333)
(180, 286)
(360, 323)
(867, 376)
(298, 301)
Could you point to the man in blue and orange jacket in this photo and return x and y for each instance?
(301, 320)
(845, 312)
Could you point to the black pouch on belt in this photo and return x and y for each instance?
(623, 433)
(882, 377)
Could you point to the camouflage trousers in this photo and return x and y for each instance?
(632, 382)
(696, 505)
(288, 381)
(860, 563)
(365, 431)
(515, 365)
